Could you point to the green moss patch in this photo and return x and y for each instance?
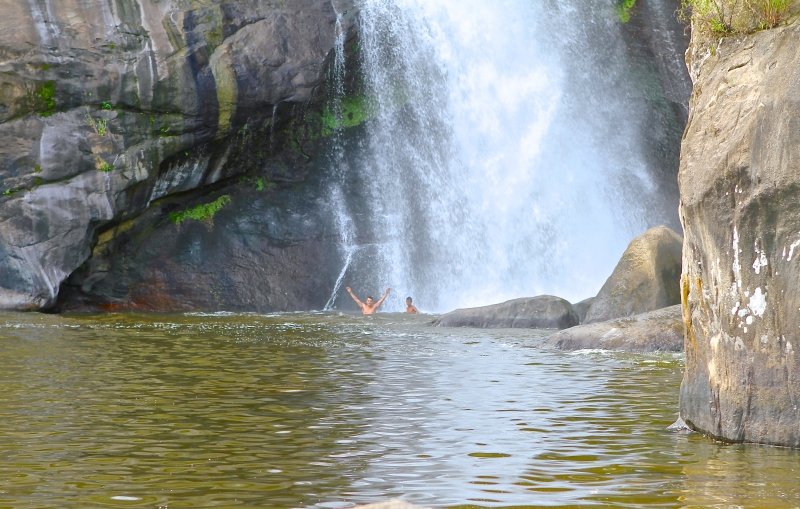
(204, 212)
(624, 8)
(354, 111)
(46, 98)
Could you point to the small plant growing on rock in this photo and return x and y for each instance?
(771, 12)
(105, 167)
(98, 125)
(46, 98)
(204, 212)
(624, 10)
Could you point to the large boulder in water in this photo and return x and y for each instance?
(542, 312)
(646, 278)
(740, 182)
(656, 331)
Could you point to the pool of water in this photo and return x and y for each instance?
(328, 411)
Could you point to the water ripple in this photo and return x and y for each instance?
(330, 410)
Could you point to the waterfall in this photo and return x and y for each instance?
(336, 201)
(502, 157)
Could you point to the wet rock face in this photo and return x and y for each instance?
(739, 180)
(655, 42)
(232, 250)
(108, 107)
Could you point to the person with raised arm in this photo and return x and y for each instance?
(369, 306)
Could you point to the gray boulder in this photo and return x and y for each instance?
(582, 307)
(542, 312)
(646, 278)
(655, 331)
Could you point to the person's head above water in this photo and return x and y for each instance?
(408, 300)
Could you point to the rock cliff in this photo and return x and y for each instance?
(739, 181)
(116, 116)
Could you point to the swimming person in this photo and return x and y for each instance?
(410, 308)
(370, 306)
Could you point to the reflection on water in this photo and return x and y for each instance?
(326, 410)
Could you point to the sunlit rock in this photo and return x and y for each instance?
(646, 278)
(655, 331)
(740, 182)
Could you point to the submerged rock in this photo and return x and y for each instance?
(646, 278)
(740, 182)
(655, 331)
(542, 312)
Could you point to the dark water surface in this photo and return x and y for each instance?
(326, 410)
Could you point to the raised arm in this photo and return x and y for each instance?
(350, 291)
(380, 301)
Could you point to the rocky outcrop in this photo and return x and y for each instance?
(656, 331)
(542, 312)
(109, 110)
(740, 182)
(646, 278)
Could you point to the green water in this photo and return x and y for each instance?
(325, 410)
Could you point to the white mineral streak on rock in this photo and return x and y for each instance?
(758, 302)
(737, 267)
(791, 249)
(761, 259)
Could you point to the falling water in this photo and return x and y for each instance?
(337, 203)
(501, 158)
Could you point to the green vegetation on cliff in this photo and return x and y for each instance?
(722, 17)
(624, 8)
(46, 98)
(204, 212)
(353, 111)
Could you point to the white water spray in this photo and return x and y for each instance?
(501, 157)
(336, 202)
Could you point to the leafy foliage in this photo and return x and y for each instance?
(204, 212)
(624, 8)
(46, 98)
